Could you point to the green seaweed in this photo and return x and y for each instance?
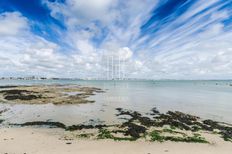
(189, 139)
(124, 139)
(106, 134)
(196, 128)
(157, 136)
(87, 135)
(166, 130)
(197, 134)
(227, 139)
(172, 127)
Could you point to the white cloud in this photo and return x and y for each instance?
(207, 56)
(12, 24)
(125, 53)
(83, 12)
(22, 52)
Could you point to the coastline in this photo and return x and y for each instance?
(47, 141)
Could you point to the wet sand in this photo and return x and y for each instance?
(48, 141)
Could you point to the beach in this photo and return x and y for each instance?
(115, 117)
(46, 141)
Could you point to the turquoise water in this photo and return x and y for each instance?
(207, 99)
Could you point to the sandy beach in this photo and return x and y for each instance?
(47, 141)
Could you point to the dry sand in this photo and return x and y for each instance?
(47, 141)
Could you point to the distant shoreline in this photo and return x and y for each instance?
(100, 79)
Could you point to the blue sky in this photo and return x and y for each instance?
(158, 39)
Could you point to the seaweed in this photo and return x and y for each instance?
(14, 94)
(175, 120)
(105, 134)
(85, 135)
(134, 130)
(4, 87)
(48, 94)
(80, 127)
(43, 123)
(157, 136)
(138, 126)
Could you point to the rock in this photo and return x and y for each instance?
(134, 130)
(2, 111)
(21, 97)
(225, 131)
(175, 123)
(1, 121)
(43, 123)
(227, 134)
(211, 123)
(56, 94)
(134, 114)
(3, 87)
(202, 126)
(154, 111)
(186, 118)
(146, 121)
(14, 94)
(80, 127)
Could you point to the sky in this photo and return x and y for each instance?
(156, 39)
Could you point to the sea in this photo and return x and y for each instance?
(208, 99)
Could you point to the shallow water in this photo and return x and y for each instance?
(207, 99)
